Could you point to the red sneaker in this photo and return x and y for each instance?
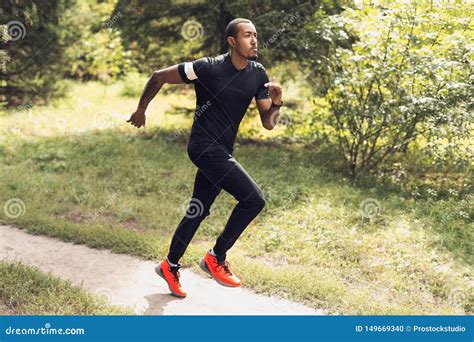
(219, 270)
(171, 277)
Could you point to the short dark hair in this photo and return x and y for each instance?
(233, 25)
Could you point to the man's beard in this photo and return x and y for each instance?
(252, 58)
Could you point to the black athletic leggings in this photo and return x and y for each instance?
(217, 170)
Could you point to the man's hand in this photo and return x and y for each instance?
(274, 90)
(138, 118)
(268, 113)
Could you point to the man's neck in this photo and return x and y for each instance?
(238, 61)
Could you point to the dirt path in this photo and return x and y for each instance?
(131, 281)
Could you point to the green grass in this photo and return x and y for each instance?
(25, 290)
(126, 189)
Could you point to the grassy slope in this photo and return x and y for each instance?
(25, 290)
(126, 190)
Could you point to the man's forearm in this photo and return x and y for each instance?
(152, 88)
(272, 116)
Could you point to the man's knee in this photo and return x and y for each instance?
(197, 209)
(257, 201)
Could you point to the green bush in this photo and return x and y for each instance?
(99, 54)
(407, 76)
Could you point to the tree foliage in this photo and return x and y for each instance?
(35, 39)
(99, 54)
(409, 75)
(165, 32)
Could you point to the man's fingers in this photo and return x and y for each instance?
(271, 85)
(273, 82)
(135, 123)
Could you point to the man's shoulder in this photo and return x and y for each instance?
(214, 59)
(256, 64)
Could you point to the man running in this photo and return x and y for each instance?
(225, 85)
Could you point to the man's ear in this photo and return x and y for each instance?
(231, 41)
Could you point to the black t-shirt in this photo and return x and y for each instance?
(223, 95)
